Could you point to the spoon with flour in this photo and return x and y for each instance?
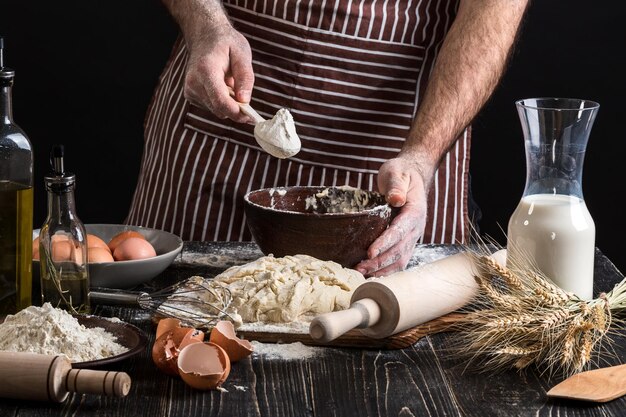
(277, 136)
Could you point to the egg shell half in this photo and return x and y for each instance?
(203, 366)
(166, 348)
(223, 334)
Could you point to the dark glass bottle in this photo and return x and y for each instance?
(16, 203)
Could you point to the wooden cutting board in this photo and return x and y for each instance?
(355, 339)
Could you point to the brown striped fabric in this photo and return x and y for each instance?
(351, 73)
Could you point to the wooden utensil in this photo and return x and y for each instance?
(385, 306)
(30, 376)
(599, 385)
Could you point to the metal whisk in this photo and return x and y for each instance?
(196, 302)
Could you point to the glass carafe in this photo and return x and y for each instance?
(552, 226)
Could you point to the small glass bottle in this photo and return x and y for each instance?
(16, 203)
(63, 243)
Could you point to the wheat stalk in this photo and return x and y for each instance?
(520, 318)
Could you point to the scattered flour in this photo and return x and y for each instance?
(286, 351)
(240, 388)
(52, 331)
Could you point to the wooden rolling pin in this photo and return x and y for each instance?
(381, 307)
(30, 376)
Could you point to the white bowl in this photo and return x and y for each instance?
(126, 274)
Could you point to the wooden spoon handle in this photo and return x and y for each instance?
(247, 109)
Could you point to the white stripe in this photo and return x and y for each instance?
(354, 108)
(162, 133)
(212, 188)
(435, 208)
(190, 184)
(235, 192)
(326, 129)
(323, 179)
(372, 19)
(310, 182)
(359, 19)
(407, 21)
(383, 22)
(368, 74)
(265, 170)
(334, 178)
(321, 15)
(465, 145)
(347, 18)
(457, 197)
(222, 203)
(295, 17)
(284, 11)
(278, 166)
(151, 143)
(170, 139)
(395, 21)
(310, 41)
(330, 93)
(289, 162)
(299, 177)
(308, 15)
(417, 19)
(332, 22)
(173, 174)
(180, 181)
(242, 229)
(444, 214)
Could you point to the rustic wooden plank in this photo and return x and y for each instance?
(513, 393)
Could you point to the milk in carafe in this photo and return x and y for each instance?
(558, 233)
(551, 228)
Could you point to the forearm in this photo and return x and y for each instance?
(471, 61)
(197, 18)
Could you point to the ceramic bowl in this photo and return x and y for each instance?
(126, 274)
(299, 220)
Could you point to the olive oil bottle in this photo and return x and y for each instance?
(16, 203)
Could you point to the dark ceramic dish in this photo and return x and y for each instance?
(283, 224)
(127, 335)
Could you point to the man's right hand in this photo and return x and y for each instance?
(219, 58)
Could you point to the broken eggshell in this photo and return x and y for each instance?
(223, 334)
(203, 366)
(168, 345)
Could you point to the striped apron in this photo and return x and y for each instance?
(352, 74)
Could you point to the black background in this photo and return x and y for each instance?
(86, 71)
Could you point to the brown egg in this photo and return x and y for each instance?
(36, 248)
(133, 248)
(223, 334)
(94, 241)
(168, 345)
(62, 250)
(122, 236)
(203, 366)
(97, 254)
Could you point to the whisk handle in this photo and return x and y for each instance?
(117, 298)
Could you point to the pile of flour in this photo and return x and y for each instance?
(51, 331)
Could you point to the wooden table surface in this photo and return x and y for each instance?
(421, 380)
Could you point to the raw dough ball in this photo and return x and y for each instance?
(292, 288)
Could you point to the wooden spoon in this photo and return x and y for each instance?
(600, 385)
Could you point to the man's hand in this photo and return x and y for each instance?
(219, 58)
(400, 180)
